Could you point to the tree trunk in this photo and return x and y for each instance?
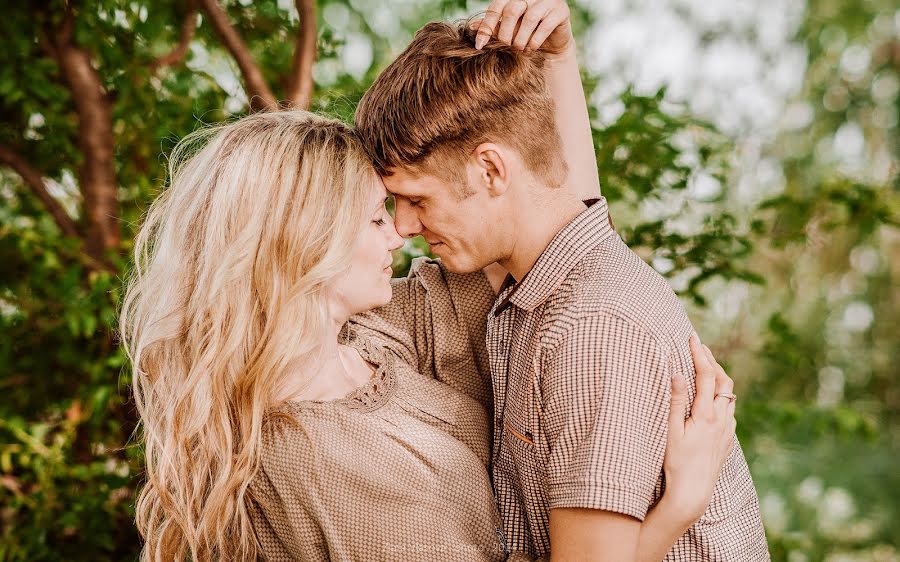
(97, 174)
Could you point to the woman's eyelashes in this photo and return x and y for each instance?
(382, 218)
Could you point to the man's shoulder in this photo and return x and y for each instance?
(612, 280)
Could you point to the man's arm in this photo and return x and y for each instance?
(597, 536)
(593, 535)
(696, 449)
(605, 389)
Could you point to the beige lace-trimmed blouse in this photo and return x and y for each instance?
(397, 470)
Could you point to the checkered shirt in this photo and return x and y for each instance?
(582, 351)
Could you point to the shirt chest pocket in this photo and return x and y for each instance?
(522, 435)
(528, 467)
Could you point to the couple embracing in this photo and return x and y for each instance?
(537, 392)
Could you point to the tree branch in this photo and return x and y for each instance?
(188, 27)
(38, 186)
(258, 91)
(97, 174)
(300, 85)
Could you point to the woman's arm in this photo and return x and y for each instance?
(696, 450)
(546, 25)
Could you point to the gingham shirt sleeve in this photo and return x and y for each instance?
(436, 323)
(606, 396)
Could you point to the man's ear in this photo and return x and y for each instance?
(491, 165)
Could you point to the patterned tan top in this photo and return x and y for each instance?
(397, 470)
(582, 352)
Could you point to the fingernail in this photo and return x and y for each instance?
(480, 42)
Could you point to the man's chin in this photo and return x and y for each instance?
(461, 266)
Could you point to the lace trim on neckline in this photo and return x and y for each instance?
(379, 388)
(373, 394)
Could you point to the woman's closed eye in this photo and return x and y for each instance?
(382, 218)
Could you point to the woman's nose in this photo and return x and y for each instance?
(394, 239)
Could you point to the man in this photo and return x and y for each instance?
(584, 337)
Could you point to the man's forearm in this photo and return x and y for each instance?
(563, 80)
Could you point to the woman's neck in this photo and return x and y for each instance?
(334, 372)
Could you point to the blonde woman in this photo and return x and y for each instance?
(286, 419)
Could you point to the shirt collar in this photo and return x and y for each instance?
(565, 250)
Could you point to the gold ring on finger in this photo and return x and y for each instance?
(731, 397)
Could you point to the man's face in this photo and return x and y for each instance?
(461, 230)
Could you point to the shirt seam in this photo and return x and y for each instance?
(549, 350)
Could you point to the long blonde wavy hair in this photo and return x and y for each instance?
(231, 264)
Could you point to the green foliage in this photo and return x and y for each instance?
(59, 505)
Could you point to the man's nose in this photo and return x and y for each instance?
(406, 220)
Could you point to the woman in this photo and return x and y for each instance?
(284, 417)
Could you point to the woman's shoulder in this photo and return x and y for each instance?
(310, 433)
(292, 428)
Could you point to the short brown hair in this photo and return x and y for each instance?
(442, 97)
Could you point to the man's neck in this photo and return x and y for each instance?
(536, 228)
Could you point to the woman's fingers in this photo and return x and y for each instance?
(732, 426)
(724, 384)
(523, 26)
(678, 407)
(509, 21)
(553, 19)
(531, 19)
(489, 23)
(728, 438)
(703, 406)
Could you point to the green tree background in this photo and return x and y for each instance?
(796, 292)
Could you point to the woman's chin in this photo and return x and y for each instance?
(386, 296)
